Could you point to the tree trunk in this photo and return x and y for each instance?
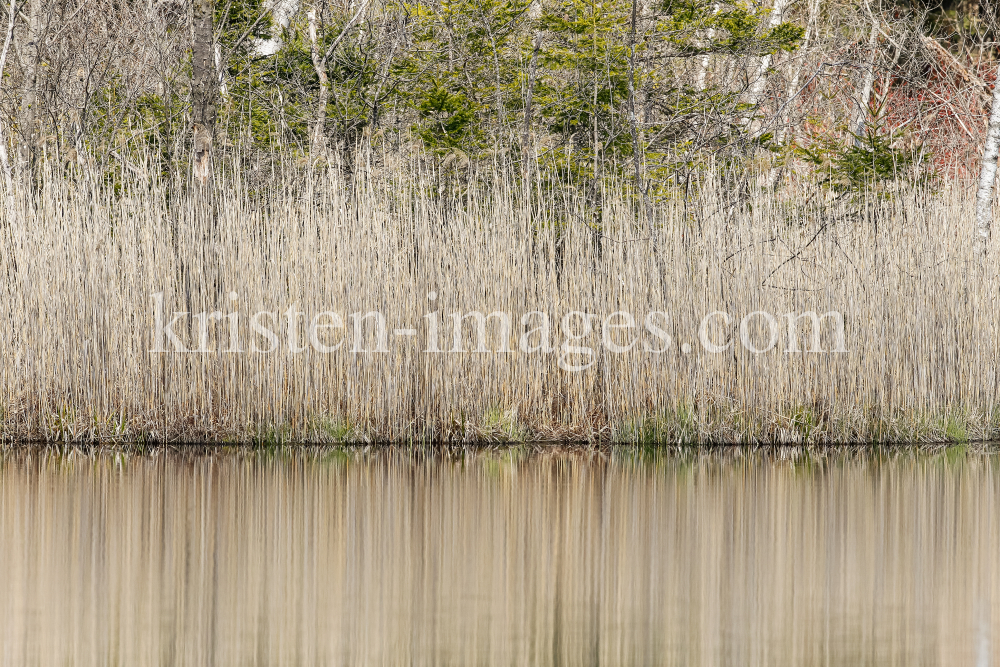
(793, 85)
(702, 76)
(31, 83)
(529, 97)
(4, 160)
(784, 120)
(987, 177)
(319, 64)
(317, 137)
(866, 91)
(640, 186)
(760, 82)
(204, 87)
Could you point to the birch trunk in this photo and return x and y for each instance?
(793, 85)
(318, 135)
(701, 78)
(640, 185)
(760, 82)
(793, 90)
(221, 72)
(528, 99)
(988, 174)
(4, 159)
(866, 90)
(30, 86)
(318, 138)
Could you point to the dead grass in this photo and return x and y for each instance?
(82, 259)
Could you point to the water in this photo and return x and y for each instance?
(509, 557)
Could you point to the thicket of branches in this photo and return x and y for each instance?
(575, 89)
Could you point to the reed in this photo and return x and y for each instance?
(83, 257)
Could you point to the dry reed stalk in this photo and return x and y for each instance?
(82, 260)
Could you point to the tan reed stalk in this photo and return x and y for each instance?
(82, 256)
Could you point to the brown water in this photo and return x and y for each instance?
(500, 558)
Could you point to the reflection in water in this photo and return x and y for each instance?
(510, 557)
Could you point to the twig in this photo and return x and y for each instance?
(777, 268)
(347, 28)
(770, 240)
(985, 92)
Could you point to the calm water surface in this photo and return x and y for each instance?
(513, 557)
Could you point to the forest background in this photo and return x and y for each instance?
(847, 95)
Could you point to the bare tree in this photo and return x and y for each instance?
(319, 62)
(869, 81)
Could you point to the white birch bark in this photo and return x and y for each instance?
(637, 148)
(988, 174)
(528, 99)
(760, 81)
(793, 90)
(31, 56)
(700, 79)
(221, 71)
(866, 90)
(318, 140)
(793, 86)
(319, 64)
(4, 159)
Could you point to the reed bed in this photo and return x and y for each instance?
(83, 258)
